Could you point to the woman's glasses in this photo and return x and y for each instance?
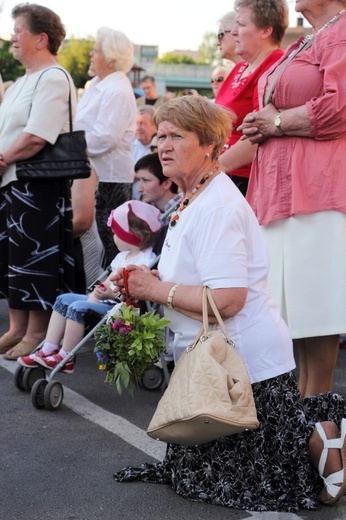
(220, 79)
(221, 34)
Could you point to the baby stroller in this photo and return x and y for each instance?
(48, 393)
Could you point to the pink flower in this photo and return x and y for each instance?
(118, 323)
(125, 329)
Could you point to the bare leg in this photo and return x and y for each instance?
(318, 357)
(56, 328)
(37, 326)
(334, 460)
(74, 333)
(18, 323)
(303, 369)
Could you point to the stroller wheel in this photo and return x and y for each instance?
(31, 375)
(53, 395)
(152, 378)
(19, 377)
(37, 393)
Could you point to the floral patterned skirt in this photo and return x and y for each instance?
(267, 469)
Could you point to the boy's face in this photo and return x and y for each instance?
(149, 187)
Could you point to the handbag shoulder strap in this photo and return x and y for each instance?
(303, 47)
(69, 94)
(207, 296)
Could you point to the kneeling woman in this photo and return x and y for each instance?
(214, 240)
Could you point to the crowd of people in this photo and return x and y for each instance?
(243, 193)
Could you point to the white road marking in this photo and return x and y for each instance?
(139, 439)
(273, 515)
(109, 421)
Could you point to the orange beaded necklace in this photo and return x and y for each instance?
(184, 201)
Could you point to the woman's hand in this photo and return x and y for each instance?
(141, 282)
(259, 126)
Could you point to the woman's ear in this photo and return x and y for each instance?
(167, 184)
(42, 41)
(112, 64)
(266, 32)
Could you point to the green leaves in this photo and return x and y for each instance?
(128, 344)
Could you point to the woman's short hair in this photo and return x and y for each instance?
(151, 163)
(116, 46)
(40, 19)
(268, 13)
(211, 123)
(220, 70)
(228, 20)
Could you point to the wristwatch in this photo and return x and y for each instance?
(277, 123)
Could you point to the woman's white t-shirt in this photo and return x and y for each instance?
(217, 242)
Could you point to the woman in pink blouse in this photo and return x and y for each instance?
(298, 187)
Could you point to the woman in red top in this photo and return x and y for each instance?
(259, 28)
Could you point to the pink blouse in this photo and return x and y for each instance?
(292, 175)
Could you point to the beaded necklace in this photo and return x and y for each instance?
(184, 201)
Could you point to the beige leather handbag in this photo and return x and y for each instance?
(209, 394)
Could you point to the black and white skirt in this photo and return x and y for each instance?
(267, 469)
(36, 245)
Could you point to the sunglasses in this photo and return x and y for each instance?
(221, 34)
(220, 79)
(153, 148)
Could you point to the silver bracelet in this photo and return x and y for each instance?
(170, 296)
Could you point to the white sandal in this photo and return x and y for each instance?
(335, 483)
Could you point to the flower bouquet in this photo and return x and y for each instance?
(129, 343)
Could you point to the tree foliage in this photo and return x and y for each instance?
(209, 51)
(74, 56)
(10, 68)
(178, 59)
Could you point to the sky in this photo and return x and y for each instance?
(170, 24)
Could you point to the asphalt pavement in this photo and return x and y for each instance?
(59, 464)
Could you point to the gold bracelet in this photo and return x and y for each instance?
(170, 296)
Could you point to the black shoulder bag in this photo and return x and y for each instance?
(65, 159)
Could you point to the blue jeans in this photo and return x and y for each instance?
(74, 306)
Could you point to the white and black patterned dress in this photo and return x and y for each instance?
(268, 469)
(217, 242)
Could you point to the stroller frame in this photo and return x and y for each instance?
(49, 393)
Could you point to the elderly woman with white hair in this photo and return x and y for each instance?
(107, 112)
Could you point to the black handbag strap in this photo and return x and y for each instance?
(69, 94)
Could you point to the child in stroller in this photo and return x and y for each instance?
(135, 225)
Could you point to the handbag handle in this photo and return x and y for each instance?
(207, 296)
(204, 331)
